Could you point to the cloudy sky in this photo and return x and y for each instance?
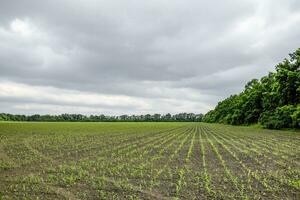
(136, 57)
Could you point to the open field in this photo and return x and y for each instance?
(147, 161)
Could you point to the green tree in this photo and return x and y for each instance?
(272, 101)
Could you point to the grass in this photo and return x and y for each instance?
(147, 161)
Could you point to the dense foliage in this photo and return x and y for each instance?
(181, 117)
(273, 101)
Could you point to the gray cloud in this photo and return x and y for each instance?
(174, 56)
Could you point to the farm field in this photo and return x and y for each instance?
(147, 161)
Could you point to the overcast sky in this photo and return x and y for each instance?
(137, 57)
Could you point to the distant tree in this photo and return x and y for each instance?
(190, 117)
(156, 117)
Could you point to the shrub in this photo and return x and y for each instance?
(296, 117)
(282, 117)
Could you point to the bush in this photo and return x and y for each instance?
(281, 117)
(296, 117)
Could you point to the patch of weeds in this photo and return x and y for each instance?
(5, 165)
(294, 183)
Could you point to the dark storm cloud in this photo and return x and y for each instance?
(174, 53)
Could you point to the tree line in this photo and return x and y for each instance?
(181, 117)
(273, 101)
